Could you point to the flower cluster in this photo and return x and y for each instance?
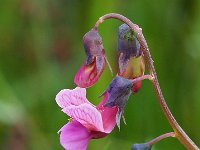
(92, 122)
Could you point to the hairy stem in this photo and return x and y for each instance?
(143, 77)
(161, 137)
(179, 133)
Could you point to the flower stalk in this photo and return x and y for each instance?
(178, 131)
(148, 145)
(149, 77)
(161, 137)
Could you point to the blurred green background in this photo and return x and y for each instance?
(41, 50)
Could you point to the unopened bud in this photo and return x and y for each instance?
(131, 63)
(92, 42)
(142, 146)
(91, 70)
(127, 42)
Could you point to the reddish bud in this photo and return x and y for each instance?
(91, 70)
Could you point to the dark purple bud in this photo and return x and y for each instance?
(142, 146)
(128, 46)
(131, 64)
(127, 42)
(92, 42)
(119, 91)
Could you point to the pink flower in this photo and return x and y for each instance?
(88, 121)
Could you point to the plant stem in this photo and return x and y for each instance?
(143, 77)
(179, 133)
(161, 137)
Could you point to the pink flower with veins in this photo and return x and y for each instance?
(88, 121)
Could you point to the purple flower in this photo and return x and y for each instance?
(87, 121)
(119, 91)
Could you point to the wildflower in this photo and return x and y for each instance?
(88, 121)
(131, 63)
(91, 70)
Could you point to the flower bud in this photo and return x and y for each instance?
(127, 42)
(131, 63)
(94, 64)
(119, 91)
(142, 146)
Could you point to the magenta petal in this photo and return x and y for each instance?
(68, 97)
(108, 114)
(88, 75)
(87, 115)
(74, 136)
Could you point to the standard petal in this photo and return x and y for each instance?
(87, 115)
(67, 97)
(74, 136)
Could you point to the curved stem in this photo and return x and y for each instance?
(161, 137)
(179, 133)
(143, 77)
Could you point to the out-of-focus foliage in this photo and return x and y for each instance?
(41, 50)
